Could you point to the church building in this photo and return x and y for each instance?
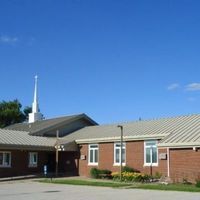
(72, 145)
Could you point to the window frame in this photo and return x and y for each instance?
(151, 155)
(30, 156)
(3, 165)
(123, 147)
(93, 154)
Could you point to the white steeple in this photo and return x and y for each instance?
(35, 115)
(35, 100)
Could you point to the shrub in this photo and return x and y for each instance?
(100, 173)
(94, 173)
(115, 176)
(198, 183)
(131, 177)
(157, 175)
(104, 171)
(128, 169)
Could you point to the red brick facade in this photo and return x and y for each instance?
(184, 165)
(134, 158)
(20, 163)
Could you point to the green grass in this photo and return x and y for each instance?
(150, 186)
(170, 187)
(86, 182)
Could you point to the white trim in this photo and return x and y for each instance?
(149, 165)
(92, 164)
(178, 146)
(30, 157)
(94, 148)
(118, 164)
(117, 139)
(3, 165)
(123, 147)
(168, 162)
(156, 145)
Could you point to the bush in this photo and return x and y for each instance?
(100, 173)
(198, 183)
(104, 171)
(157, 175)
(94, 173)
(128, 169)
(131, 177)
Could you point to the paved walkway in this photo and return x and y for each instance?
(30, 190)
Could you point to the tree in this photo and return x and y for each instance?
(26, 111)
(11, 113)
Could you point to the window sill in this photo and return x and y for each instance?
(149, 165)
(92, 164)
(118, 164)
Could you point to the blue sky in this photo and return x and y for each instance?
(114, 60)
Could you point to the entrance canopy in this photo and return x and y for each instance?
(66, 146)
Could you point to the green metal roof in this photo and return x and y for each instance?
(178, 130)
(21, 139)
(181, 131)
(39, 127)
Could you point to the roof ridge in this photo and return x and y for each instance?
(145, 120)
(54, 118)
(64, 116)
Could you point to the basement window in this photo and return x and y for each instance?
(117, 153)
(33, 159)
(150, 153)
(93, 154)
(5, 159)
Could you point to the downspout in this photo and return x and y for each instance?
(168, 163)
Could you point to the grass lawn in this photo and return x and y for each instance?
(170, 187)
(86, 182)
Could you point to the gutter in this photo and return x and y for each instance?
(117, 139)
(26, 147)
(178, 146)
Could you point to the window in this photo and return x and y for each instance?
(33, 159)
(117, 153)
(151, 153)
(5, 159)
(93, 154)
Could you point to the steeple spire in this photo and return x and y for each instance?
(35, 108)
(35, 115)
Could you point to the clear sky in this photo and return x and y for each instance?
(115, 60)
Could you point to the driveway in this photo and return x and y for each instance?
(30, 190)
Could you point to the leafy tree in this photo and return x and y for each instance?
(11, 113)
(26, 111)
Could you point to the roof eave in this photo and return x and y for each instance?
(26, 147)
(117, 139)
(56, 126)
(179, 145)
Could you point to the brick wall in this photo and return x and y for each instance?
(134, 158)
(184, 164)
(19, 163)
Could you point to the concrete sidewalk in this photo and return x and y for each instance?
(17, 178)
